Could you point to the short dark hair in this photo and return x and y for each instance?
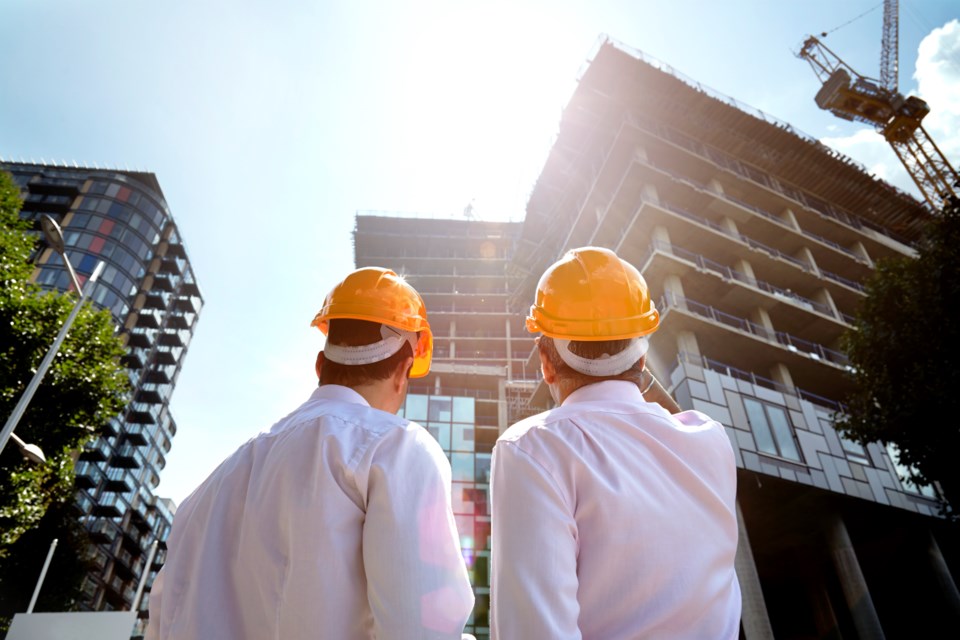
(588, 349)
(353, 333)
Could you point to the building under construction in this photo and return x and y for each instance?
(756, 241)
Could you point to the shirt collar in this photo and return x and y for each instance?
(604, 391)
(338, 392)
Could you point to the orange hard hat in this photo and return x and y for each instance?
(591, 294)
(379, 295)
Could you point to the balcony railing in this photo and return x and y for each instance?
(729, 273)
(749, 376)
(790, 342)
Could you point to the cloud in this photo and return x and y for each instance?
(938, 83)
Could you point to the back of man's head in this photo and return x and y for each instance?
(359, 333)
(571, 379)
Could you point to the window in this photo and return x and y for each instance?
(855, 451)
(771, 429)
(907, 474)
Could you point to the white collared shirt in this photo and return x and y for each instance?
(335, 523)
(613, 519)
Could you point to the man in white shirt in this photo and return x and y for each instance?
(614, 514)
(335, 523)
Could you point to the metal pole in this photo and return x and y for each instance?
(143, 578)
(42, 369)
(43, 574)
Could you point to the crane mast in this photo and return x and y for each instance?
(889, 63)
(852, 96)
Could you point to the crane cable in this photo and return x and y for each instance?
(824, 34)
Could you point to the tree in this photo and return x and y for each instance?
(904, 351)
(84, 388)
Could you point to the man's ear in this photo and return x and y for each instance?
(319, 365)
(402, 373)
(546, 367)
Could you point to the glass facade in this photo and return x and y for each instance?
(148, 284)
(451, 421)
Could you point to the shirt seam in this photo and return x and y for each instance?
(513, 444)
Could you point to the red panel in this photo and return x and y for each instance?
(96, 245)
(106, 227)
(123, 194)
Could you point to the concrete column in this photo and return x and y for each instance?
(687, 343)
(673, 290)
(807, 256)
(854, 585)
(649, 193)
(780, 373)
(823, 614)
(761, 317)
(754, 618)
(861, 251)
(745, 268)
(823, 296)
(790, 218)
(660, 238)
(944, 579)
(715, 186)
(730, 226)
(506, 332)
(453, 335)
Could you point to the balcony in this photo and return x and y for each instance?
(96, 451)
(162, 283)
(141, 415)
(149, 396)
(125, 457)
(186, 304)
(117, 481)
(157, 376)
(729, 338)
(190, 289)
(171, 266)
(180, 321)
(132, 360)
(154, 300)
(136, 434)
(148, 319)
(165, 357)
(139, 339)
(103, 531)
(170, 339)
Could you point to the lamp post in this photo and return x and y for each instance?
(55, 237)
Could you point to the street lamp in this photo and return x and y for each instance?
(55, 237)
(31, 452)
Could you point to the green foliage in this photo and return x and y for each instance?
(904, 349)
(84, 388)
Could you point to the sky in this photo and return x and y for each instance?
(271, 124)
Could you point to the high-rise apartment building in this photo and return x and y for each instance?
(121, 218)
(460, 269)
(756, 241)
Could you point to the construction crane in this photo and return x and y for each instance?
(852, 96)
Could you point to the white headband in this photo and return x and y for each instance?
(393, 341)
(605, 365)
